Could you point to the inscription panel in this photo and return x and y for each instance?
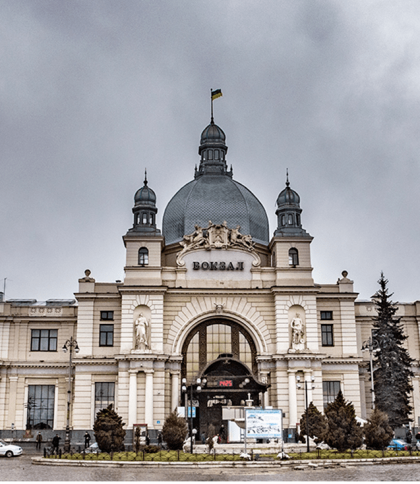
(218, 265)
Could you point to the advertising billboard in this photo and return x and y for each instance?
(263, 424)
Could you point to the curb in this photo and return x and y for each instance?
(296, 464)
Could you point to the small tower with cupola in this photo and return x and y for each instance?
(143, 241)
(290, 246)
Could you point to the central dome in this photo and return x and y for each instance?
(214, 195)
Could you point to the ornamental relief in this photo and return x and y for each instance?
(217, 237)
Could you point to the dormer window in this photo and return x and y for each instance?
(143, 256)
(293, 257)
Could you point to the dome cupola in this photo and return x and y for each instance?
(289, 213)
(145, 210)
(214, 195)
(213, 151)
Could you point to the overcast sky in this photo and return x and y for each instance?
(92, 92)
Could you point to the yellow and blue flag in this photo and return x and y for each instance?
(215, 94)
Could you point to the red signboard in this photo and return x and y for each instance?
(225, 383)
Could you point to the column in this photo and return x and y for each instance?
(25, 404)
(292, 399)
(11, 416)
(148, 412)
(308, 379)
(174, 389)
(265, 396)
(132, 398)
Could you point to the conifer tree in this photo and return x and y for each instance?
(378, 433)
(108, 429)
(344, 432)
(174, 431)
(317, 424)
(392, 376)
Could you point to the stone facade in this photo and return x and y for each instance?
(134, 335)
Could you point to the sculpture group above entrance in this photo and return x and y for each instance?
(216, 236)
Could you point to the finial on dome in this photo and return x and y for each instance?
(145, 176)
(287, 177)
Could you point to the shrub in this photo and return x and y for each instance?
(317, 424)
(151, 449)
(344, 432)
(174, 431)
(108, 429)
(378, 433)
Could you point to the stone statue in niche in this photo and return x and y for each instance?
(142, 333)
(298, 333)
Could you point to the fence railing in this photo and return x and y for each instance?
(161, 455)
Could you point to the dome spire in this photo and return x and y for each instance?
(288, 212)
(144, 210)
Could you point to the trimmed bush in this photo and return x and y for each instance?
(344, 432)
(378, 433)
(317, 424)
(174, 431)
(108, 429)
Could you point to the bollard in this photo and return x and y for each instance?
(45, 452)
(59, 453)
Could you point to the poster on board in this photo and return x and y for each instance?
(264, 424)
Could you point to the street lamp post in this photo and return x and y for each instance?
(190, 406)
(69, 345)
(372, 346)
(299, 386)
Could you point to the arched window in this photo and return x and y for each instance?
(210, 154)
(144, 221)
(151, 219)
(212, 338)
(216, 154)
(143, 256)
(283, 220)
(290, 219)
(297, 219)
(293, 257)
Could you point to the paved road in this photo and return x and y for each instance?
(21, 469)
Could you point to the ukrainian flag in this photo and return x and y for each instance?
(215, 94)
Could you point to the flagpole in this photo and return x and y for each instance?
(211, 97)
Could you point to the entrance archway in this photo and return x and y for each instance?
(223, 354)
(214, 337)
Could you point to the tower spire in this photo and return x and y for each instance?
(145, 176)
(287, 177)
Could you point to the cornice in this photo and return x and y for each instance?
(296, 289)
(143, 289)
(143, 357)
(339, 361)
(217, 291)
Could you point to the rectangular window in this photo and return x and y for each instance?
(107, 315)
(326, 315)
(44, 340)
(104, 395)
(327, 335)
(40, 407)
(330, 390)
(106, 335)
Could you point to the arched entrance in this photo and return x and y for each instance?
(223, 354)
